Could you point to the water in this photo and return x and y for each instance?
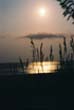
(33, 68)
(43, 67)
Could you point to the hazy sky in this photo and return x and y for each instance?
(20, 17)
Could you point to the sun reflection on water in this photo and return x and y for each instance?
(42, 67)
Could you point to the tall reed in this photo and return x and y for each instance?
(51, 53)
(21, 64)
(60, 53)
(41, 53)
(33, 50)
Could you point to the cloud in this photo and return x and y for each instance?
(43, 36)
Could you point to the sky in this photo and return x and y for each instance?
(22, 17)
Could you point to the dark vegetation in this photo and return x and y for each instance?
(68, 6)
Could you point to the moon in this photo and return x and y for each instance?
(42, 12)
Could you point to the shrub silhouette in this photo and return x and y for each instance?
(68, 6)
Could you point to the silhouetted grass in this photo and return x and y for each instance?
(66, 57)
(51, 53)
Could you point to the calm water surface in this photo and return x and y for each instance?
(43, 67)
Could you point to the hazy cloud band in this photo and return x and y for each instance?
(42, 36)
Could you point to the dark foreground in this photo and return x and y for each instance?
(37, 92)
